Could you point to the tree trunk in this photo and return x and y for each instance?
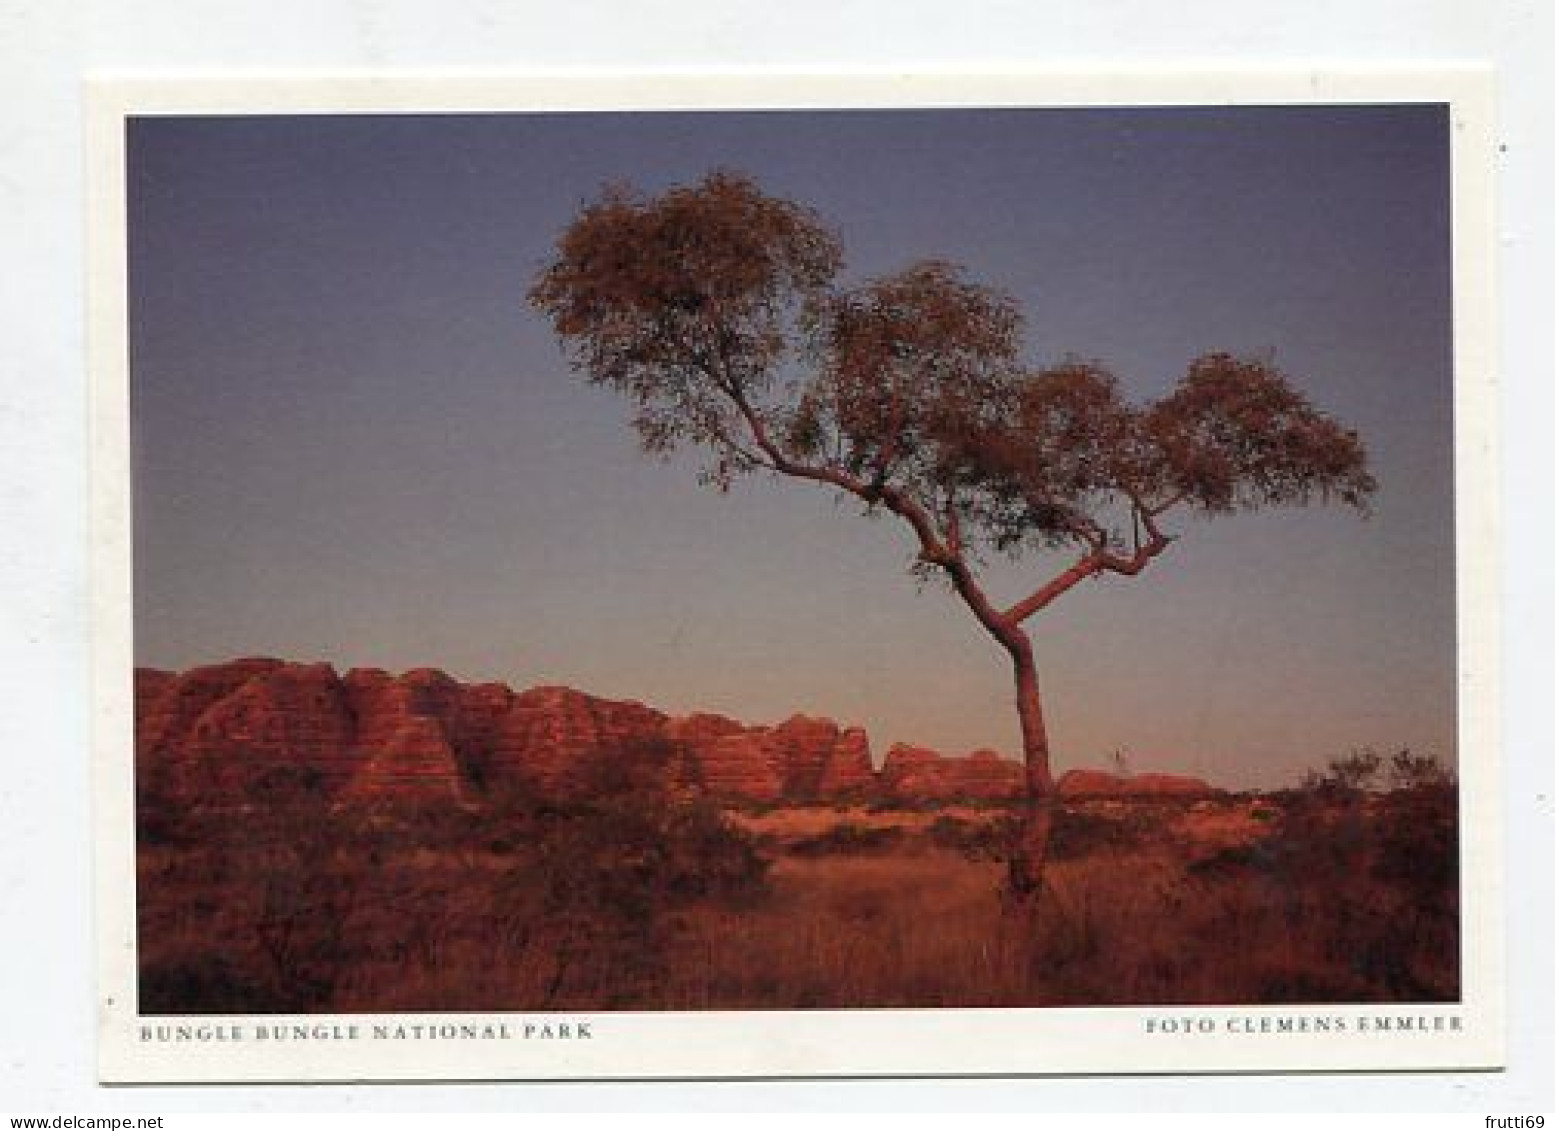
(1029, 857)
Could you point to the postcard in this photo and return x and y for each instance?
(718, 576)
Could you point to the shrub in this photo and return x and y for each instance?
(1413, 771)
(202, 983)
(848, 837)
(1417, 846)
(976, 840)
(1356, 771)
(1081, 830)
(597, 880)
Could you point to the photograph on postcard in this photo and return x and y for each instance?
(756, 560)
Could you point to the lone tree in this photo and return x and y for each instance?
(717, 311)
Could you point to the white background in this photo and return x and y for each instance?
(46, 1010)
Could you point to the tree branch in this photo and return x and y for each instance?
(739, 449)
(953, 524)
(1100, 560)
(931, 547)
(1148, 514)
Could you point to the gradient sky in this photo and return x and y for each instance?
(353, 441)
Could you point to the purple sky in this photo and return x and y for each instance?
(353, 440)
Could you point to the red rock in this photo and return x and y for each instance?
(802, 759)
(985, 775)
(474, 726)
(1090, 783)
(382, 704)
(164, 755)
(732, 761)
(292, 715)
(469, 717)
(164, 722)
(153, 773)
(213, 729)
(545, 731)
(821, 761)
(744, 765)
(1095, 783)
(803, 746)
(1169, 785)
(701, 729)
(913, 773)
(149, 684)
(416, 762)
(849, 771)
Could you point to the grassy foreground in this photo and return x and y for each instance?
(634, 897)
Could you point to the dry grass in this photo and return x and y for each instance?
(1145, 905)
(792, 824)
(916, 927)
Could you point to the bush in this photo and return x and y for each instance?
(848, 837)
(596, 881)
(1417, 771)
(1081, 831)
(1417, 846)
(1366, 770)
(203, 983)
(1356, 771)
(1373, 874)
(976, 840)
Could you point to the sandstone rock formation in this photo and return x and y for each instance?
(1090, 783)
(293, 716)
(984, 773)
(544, 732)
(848, 771)
(1170, 785)
(163, 721)
(150, 683)
(743, 764)
(733, 761)
(415, 762)
(166, 758)
(913, 773)
(1095, 783)
(218, 730)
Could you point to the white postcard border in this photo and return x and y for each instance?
(809, 1043)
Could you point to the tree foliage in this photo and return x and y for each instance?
(686, 303)
(720, 312)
